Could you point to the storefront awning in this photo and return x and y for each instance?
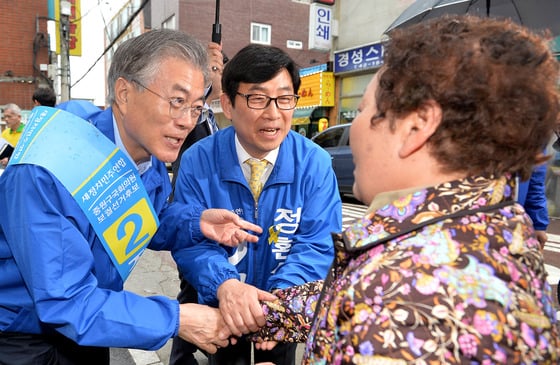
(301, 116)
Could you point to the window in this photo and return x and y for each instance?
(351, 92)
(169, 23)
(260, 33)
(330, 138)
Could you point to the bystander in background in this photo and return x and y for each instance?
(44, 96)
(532, 195)
(14, 127)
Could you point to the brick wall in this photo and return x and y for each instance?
(19, 28)
(289, 21)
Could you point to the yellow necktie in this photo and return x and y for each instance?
(257, 170)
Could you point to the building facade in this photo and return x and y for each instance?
(25, 50)
(357, 51)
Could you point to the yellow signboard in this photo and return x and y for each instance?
(316, 90)
(74, 28)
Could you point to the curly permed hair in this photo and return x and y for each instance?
(495, 81)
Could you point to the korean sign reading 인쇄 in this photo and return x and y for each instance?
(320, 27)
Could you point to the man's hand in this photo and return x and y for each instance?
(240, 306)
(227, 228)
(203, 326)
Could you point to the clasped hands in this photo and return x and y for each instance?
(240, 311)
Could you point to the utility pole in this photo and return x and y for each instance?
(65, 11)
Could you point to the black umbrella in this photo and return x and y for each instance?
(534, 14)
(217, 27)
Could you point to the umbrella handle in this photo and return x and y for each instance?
(217, 27)
(217, 33)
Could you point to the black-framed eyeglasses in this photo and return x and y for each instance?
(177, 106)
(261, 101)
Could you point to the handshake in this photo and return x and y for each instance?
(284, 316)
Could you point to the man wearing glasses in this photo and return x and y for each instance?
(294, 199)
(74, 222)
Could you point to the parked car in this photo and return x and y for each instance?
(335, 140)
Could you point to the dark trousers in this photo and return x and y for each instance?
(240, 354)
(55, 349)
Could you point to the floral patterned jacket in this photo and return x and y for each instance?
(450, 274)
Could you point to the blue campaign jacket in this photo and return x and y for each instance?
(532, 196)
(288, 253)
(55, 273)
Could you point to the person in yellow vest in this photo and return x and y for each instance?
(14, 127)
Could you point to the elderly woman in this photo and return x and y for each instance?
(445, 266)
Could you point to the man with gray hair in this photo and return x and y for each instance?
(14, 127)
(73, 226)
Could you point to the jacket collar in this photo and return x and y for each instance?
(411, 210)
(284, 168)
(104, 122)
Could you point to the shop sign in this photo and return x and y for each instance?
(312, 70)
(320, 27)
(74, 23)
(359, 59)
(316, 90)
